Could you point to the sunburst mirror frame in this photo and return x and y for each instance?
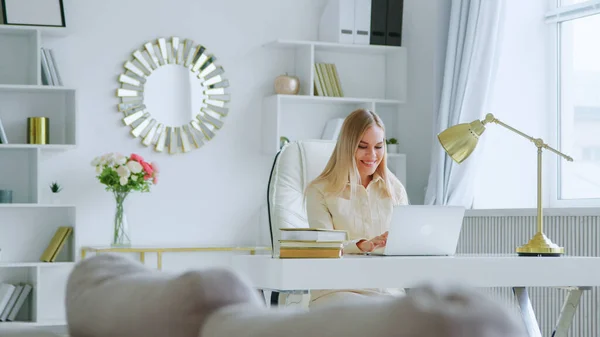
(215, 95)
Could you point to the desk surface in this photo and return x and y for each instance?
(357, 271)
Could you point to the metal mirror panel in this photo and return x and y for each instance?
(173, 95)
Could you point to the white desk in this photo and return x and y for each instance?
(289, 275)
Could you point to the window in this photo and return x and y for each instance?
(577, 99)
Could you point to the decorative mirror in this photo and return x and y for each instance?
(173, 95)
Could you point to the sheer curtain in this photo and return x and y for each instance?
(473, 40)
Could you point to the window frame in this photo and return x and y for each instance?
(554, 17)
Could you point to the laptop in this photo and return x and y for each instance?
(423, 230)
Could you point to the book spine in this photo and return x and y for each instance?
(378, 21)
(394, 23)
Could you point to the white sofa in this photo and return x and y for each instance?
(114, 296)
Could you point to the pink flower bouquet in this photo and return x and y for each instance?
(125, 174)
(122, 175)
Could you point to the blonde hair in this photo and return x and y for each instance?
(341, 168)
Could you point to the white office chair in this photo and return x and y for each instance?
(294, 167)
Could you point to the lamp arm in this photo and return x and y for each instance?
(489, 118)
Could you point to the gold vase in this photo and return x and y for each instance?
(38, 130)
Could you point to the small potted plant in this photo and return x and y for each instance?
(392, 145)
(55, 188)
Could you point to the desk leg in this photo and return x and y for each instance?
(159, 260)
(527, 313)
(567, 312)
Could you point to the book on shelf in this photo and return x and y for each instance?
(327, 80)
(50, 74)
(56, 244)
(3, 138)
(18, 294)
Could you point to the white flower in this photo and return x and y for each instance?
(96, 161)
(123, 181)
(123, 172)
(120, 159)
(134, 166)
(98, 169)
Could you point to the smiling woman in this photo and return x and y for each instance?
(356, 192)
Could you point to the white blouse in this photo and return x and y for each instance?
(365, 216)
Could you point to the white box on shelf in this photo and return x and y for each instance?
(346, 21)
(362, 21)
(337, 22)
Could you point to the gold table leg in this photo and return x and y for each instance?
(142, 257)
(159, 260)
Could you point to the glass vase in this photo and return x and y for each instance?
(121, 236)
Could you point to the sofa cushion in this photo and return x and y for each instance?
(425, 312)
(110, 295)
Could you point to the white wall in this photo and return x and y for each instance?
(425, 35)
(507, 176)
(212, 195)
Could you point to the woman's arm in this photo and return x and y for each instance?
(318, 216)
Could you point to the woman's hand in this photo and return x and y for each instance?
(374, 243)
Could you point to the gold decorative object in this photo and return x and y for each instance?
(460, 140)
(38, 130)
(287, 85)
(206, 118)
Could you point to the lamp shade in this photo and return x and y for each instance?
(460, 140)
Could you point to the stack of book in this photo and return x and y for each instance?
(12, 298)
(56, 244)
(310, 243)
(327, 80)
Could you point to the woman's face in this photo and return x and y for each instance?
(370, 151)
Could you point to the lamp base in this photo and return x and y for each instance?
(540, 245)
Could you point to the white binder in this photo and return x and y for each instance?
(337, 22)
(362, 21)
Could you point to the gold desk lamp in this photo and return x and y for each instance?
(460, 140)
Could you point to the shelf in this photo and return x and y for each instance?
(55, 147)
(33, 88)
(11, 325)
(45, 31)
(327, 99)
(27, 225)
(396, 155)
(35, 264)
(32, 205)
(335, 47)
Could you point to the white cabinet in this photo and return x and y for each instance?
(28, 224)
(371, 77)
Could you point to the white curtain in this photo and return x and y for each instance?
(473, 41)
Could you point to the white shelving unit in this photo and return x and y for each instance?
(373, 77)
(29, 223)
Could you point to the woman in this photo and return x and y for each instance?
(356, 193)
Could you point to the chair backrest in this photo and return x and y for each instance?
(294, 167)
